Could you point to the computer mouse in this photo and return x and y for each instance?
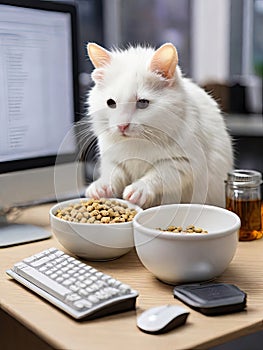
(162, 319)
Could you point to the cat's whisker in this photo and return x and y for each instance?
(87, 141)
(154, 136)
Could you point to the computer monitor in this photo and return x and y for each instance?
(39, 106)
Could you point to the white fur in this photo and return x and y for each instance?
(175, 150)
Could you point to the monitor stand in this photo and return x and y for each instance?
(13, 234)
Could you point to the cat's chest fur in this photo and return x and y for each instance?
(134, 156)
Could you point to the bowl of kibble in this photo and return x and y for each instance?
(94, 229)
(181, 243)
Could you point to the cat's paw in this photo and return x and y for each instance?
(98, 189)
(138, 193)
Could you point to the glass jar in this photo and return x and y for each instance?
(243, 196)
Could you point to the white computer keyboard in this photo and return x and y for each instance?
(78, 289)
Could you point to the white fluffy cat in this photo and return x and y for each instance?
(161, 138)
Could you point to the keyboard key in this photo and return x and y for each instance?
(46, 283)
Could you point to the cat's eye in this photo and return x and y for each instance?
(111, 103)
(142, 103)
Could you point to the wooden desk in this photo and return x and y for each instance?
(27, 321)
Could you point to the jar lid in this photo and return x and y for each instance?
(244, 177)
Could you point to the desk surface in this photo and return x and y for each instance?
(120, 331)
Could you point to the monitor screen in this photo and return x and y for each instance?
(36, 86)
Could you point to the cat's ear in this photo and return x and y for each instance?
(165, 60)
(98, 55)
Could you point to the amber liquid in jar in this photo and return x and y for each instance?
(249, 212)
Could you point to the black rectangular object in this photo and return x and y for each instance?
(211, 298)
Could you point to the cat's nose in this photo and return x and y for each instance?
(123, 127)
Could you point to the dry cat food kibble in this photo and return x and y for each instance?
(179, 229)
(97, 211)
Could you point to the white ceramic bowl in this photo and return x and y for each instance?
(180, 257)
(93, 241)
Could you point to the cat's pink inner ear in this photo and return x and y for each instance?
(165, 60)
(97, 75)
(98, 55)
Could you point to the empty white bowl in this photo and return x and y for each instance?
(186, 257)
(93, 241)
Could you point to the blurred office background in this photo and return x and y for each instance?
(220, 45)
